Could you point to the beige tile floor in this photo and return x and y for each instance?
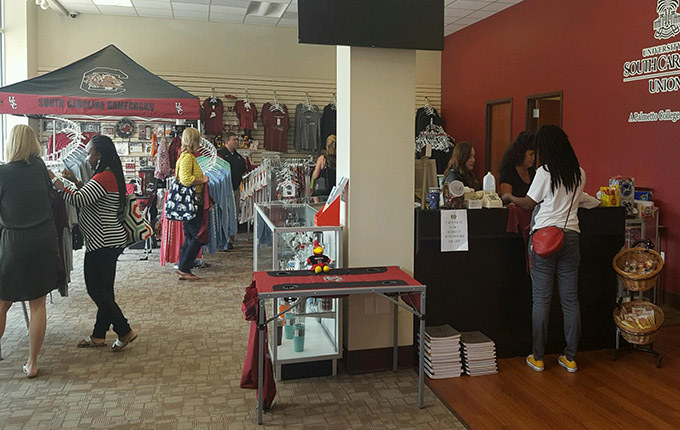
(184, 370)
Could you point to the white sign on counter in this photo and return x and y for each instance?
(454, 230)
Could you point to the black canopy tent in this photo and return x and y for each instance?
(106, 83)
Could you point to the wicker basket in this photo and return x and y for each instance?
(637, 282)
(639, 336)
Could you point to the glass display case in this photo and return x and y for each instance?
(311, 331)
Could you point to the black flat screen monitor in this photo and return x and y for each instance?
(403, 24)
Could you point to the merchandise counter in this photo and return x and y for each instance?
(488, 288)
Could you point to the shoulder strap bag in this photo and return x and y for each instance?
(548, 240)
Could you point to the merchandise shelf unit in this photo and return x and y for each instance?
(644, 228)
(284, 234)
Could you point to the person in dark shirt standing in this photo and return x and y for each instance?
(517, 167)
(238, 168)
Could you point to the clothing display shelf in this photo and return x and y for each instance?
(284, 240)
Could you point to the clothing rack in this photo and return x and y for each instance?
(207, 149)
(72, 131)
(436, 137)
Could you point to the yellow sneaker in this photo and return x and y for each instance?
(537, 365)
(569, 365)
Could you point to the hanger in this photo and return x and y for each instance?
(246, 99)
(334, 102)
(213, 99)
(276, 105)
(428, 107)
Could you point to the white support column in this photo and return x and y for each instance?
(376, 93)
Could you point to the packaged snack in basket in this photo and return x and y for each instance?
(609, 196)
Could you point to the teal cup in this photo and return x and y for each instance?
(299, 338)
(289, 327)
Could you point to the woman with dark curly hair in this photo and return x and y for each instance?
(517, 167)
(101, 202)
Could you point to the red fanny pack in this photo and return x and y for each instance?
(548, 240)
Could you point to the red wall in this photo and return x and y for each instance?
(578, 46)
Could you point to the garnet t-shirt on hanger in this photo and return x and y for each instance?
(276, 124)
(213, 115)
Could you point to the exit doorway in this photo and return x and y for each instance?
(498, 134)
(543, 109)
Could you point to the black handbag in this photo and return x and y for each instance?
(181, 202)
(322, 186)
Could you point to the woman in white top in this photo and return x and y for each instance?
(556, 192)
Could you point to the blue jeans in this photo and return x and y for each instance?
(191, 245)
(563, 268)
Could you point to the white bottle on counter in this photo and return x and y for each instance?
(489, 182)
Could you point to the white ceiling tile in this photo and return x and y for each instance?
(87, 2)
(225, 17)
(468, 4)
(497, 7)
(458, 13)
(481, 14)
(266, 9)
(154, 12)
(252, 19)
(235, 3)
(189, 7)
(283, 22)
(467, 21)
(185, 14)
(203, 2)
(290, 15)
(152, 4)
(82, 8)
(229, 10)
(453, 28)
(118, 10)
(292, 8)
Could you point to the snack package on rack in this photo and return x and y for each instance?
(609, 196)
(638, 318)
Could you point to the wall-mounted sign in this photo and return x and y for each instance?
(659, 66)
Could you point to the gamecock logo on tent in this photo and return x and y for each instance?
(667, 24)
(104, 81)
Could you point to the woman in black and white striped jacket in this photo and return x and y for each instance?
(101, 202)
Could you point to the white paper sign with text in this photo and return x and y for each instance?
(454, 230)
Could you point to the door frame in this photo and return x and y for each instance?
(487, 143)
(529, 110)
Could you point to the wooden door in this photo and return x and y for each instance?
(550, 112)
(498, 135)
(543, 109)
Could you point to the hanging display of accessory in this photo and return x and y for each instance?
(125, 128)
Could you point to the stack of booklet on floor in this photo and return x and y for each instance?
(442, 352)
(479, 354)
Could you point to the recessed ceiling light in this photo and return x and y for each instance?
(124, 3)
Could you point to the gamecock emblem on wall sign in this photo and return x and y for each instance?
(667, 24)
(103, 81)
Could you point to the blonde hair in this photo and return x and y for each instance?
(330, 145)
(22, 144)
(191, 140)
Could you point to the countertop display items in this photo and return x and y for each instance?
(308, 329)
(638, 320)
